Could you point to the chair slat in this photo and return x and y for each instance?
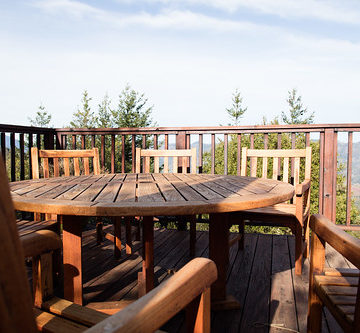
(253, 166)
(66, 166)
(56, 167)
(275, 168)
(76, 167)
(166, 165)
(86, 166)
(46, 167)
(265, 167)
(175, 164)
(286, 170)
(156, 164)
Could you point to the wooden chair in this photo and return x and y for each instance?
(294, 215)
(188, 164)
(191, 285)
(61, 166)
(186, 154)
(337, 289)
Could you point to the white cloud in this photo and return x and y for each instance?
(329, 10)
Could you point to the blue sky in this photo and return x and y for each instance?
(188, 57)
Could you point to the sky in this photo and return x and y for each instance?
(187, 56)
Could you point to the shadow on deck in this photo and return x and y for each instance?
(261, 278)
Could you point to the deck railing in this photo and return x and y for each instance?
(117, 147)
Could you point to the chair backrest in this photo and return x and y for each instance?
(80, 157)
(16, 314)
(279, 160)
(188, 155)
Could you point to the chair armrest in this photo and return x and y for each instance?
(341, 241)
(303, 187)
(154, 309)
(40, 242)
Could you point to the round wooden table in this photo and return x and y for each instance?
(145, 195)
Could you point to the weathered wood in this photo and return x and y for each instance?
(72, 253)
(294, 216)
(334, 289)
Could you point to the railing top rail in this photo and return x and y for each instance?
(214, 129)
(188, 130)
(25, 129)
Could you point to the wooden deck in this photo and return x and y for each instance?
(261, 277)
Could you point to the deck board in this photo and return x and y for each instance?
(261, 278)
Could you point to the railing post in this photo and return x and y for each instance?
(180, 144)
(329, 174)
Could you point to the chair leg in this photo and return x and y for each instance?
(192, 219)
(99, 232)
(137, 228)
(117, 237)
(314, 320)
(298, 249)
(242, 233)
(128, 221)
(307, 238)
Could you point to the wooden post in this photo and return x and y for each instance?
(219, 252)
(181, 144)
(329, 174)
(146, 277)
(72, 252)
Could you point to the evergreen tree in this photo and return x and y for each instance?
(83, 117)
(297, 112)
(236, 111)
(42, 118)
(132, 111)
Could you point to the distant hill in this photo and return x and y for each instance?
(343, 155)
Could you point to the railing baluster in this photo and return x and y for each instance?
(133, 146)
(348, 178)
(123, 153)
(252, 145)
(155, 141)
(321, 173)
(238, 159)
(74, 141)
(212, 153)
(30, 138)
(225, 154)
(113, 153)
(103, 151)
(200, 156)
(3, 147)
(22, 157)
(12, 157)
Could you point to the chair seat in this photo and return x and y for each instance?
(338, 289)
(64, 316)
(277, 210)
(27, 227)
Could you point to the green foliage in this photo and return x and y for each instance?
(236, 111)
(297, 112)
(132, 111)
(84, 117)
(42, 118)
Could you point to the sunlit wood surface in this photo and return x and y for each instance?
(261, 278)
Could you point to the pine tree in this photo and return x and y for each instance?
(84, 117)
(42, 118)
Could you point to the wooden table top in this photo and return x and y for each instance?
(147, 194)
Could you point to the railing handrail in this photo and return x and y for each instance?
(191, 129)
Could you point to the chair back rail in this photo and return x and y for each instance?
(16, 313)
(65, 156)
(186, 154)
(321, 278)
